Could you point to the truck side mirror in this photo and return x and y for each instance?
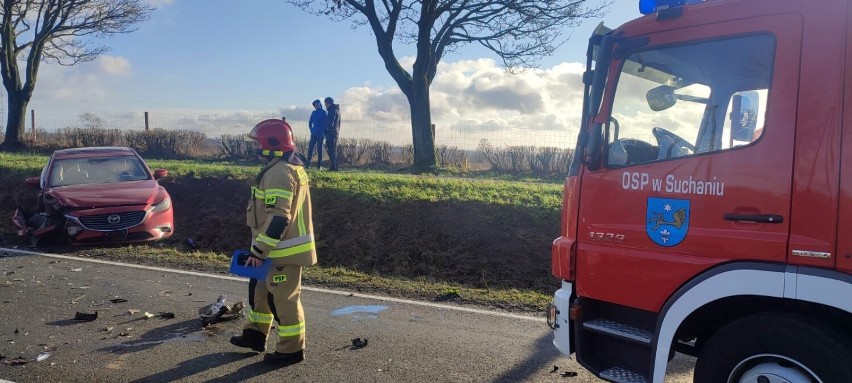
(33, 182)
(744, 106)
(160, 173)
(661, 98)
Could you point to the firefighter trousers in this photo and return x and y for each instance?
(278, 298)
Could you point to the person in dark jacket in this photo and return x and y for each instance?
(316, 125)
(332, 130)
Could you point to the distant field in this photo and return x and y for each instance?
(470, 233)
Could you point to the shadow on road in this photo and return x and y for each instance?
(185, 331)
(540, 358)
(246, 372)
(196, 365)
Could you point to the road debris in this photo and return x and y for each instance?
(106, 329)
(568, 374)
(149, 315)
(133, 312)
(118, 300)
(165, 293)
(555, 367)
(19, 361)
(358, 343)
(220, 311)
(42, 357)
(85, 317)
(76, 270)
(77, 299)
(166, 315)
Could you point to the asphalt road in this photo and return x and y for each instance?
(408, 341)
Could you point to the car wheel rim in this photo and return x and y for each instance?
(772, 368)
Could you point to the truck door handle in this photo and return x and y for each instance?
(760, 218)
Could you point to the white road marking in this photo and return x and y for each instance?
(308, 288)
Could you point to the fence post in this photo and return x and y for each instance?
(146, 121)
(32, 122)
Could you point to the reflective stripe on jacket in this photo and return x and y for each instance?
(279, 215)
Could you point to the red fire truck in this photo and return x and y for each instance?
(706, 206)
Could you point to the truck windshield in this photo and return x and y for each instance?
(681, 100)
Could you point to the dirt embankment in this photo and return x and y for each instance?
(475, 244)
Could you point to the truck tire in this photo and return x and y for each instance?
(776, 346)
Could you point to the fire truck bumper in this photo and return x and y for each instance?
(558, 320)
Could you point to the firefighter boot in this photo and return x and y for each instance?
(252, 339)
(284, 359)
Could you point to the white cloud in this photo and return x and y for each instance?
(473, 99)
(114, 65)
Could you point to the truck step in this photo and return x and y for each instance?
(621, 375)
(621, 330)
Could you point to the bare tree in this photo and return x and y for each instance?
(518, 31)
(60, 31)
(91, 121)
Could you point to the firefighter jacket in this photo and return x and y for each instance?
(279, 215)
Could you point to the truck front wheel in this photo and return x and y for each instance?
(775, 348)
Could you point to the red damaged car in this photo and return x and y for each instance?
(99, 194)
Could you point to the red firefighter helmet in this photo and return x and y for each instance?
(273, 136)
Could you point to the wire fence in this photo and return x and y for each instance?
(215, 125)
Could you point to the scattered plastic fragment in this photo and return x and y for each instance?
(118, 300)
(42, 357)
(77, 269)
(220, 311)
(133, 312)
(358, 343)
(19, 361)
(568, 374)
(148, 315)
(85, 317)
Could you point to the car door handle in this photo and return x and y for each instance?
(760, 218)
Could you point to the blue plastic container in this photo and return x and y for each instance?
(238, 266)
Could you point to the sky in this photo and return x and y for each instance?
(222, 64)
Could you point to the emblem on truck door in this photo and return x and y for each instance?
(667, 220)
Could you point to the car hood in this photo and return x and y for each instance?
(109, 194)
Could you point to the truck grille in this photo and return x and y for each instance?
(113, 221)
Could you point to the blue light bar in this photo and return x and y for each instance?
(650, 6)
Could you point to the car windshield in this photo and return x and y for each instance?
(97, 170)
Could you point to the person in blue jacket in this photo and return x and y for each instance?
(316, 125)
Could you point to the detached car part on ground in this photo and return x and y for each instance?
(96, 195)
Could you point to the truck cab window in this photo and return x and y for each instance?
(687, 99)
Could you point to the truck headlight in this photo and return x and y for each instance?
(162, 205)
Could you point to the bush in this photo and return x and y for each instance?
(236, 146)
(166, 143)
(87, 137)
(380, 152)
(407, 154)
(451, 156)
(544, 161)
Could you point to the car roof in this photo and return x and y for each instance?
(101, 151)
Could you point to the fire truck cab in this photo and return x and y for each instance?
(711, 186)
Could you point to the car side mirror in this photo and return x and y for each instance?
(160, 173)
(661, 98)
(34, 182)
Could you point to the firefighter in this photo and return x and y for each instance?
(279, 215)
